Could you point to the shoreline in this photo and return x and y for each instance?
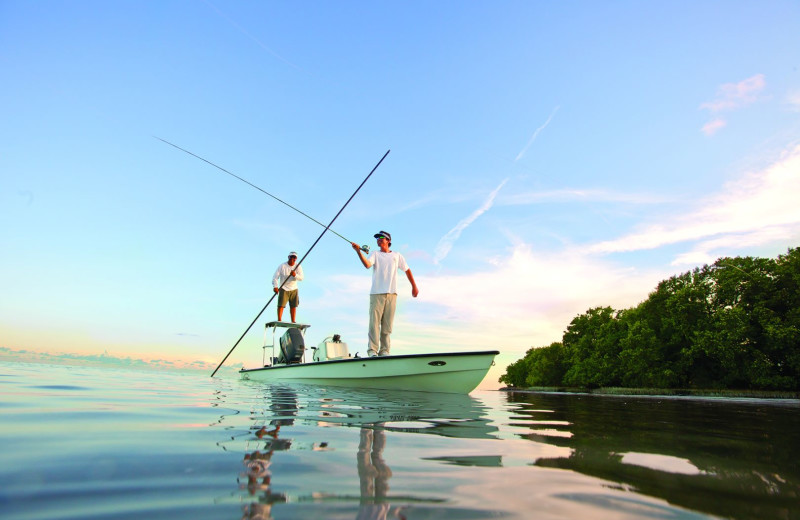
(659, 392)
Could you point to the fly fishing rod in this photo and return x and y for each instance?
(300, 262)
(364, 248)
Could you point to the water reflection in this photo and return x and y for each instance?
(731, 459)
(343, 453)
(446, 415)
(257, 477)
(373, 474)
(290, 411)
(164, 446)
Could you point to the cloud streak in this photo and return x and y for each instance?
(732, 96)
(446, 242)
(714, 126)
(582, 195)
(536, 134)
(758, 201)
(252, 38)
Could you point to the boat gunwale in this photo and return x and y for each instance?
(371, 359)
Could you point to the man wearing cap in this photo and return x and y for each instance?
(383, 295)
(284, 282)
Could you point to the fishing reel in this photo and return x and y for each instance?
(365, 248)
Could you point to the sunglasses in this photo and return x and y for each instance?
(380, 237)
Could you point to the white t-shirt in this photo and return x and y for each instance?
(283, 272)
(384, 271)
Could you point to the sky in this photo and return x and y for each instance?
(546, 158)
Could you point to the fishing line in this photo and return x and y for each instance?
(298, 263)
(364, 248)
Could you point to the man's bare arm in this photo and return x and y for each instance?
(361, 255)
(414, 290)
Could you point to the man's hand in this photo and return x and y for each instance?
(275, 289)
(361, 256)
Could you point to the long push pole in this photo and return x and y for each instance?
(300, 262)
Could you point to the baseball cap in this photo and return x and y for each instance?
(293, 254)
(383, 234)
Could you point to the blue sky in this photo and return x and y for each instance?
(547, 157)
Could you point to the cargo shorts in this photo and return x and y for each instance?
(288, 296)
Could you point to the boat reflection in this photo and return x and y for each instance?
(446, 415)
(375, 413)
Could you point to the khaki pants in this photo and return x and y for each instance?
(381, 317)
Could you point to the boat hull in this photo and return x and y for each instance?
(457, 372)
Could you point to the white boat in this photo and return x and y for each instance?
(332, 365)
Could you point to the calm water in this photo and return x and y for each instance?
(86, 443)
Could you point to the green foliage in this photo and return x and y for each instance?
(516, 372)
(734, 324)
(592, 347)
(546, 366)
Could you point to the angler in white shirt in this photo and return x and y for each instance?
(284, 282)
(383, 295)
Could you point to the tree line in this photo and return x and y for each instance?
(734, 324)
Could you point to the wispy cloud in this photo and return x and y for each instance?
(544, 282)
(536, 134)
(582, 195)
(707, 251)
(732, 96)
(547, 290)
(758, 201)
(714, 126)
(446, 242)
(442, 195)
(251, 37)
